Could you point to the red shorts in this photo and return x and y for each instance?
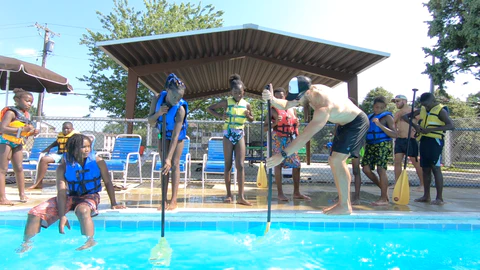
(48, 210)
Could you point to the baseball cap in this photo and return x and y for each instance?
(298, 86)
(399, 97)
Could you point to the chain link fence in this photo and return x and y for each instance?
(461, 158)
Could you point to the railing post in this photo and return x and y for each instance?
(447, 150)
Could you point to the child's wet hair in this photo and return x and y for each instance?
(279, 90)
(174, 83)
(74, 148)
(380, 99)
(236, 82)
(19, 93)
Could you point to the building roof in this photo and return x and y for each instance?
(205, 59)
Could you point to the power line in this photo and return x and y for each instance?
(17, 37)
(79, 27)
(16, 23)
(70, 57)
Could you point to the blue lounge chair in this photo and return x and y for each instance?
(32, 158)
(185, 162)
(126, 151)
(214, 162)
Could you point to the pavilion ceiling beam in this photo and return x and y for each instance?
(168, 66)
(341, 76)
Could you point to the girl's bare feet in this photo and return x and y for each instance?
(244, 202)
(172, 205)
(90, 243)
(23, 198)
(37, 185)
(228, 199)
(282, 198)
(300, 196)
(6, 202)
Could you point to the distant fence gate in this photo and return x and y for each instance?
(461, 157)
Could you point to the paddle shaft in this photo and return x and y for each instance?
(270, 173)
(261, 131)
(163, 177)
(409, 128)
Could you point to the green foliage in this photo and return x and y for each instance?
(474, 101)
(456, 27)
(114, 128)
(367, 103)
(456, 107)
(106, 78)
(33, 111)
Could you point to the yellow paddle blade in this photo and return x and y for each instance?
(401, 192)
(268, 228)
(262, 176)
(161, 253)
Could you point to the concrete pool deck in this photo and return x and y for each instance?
(141, 198)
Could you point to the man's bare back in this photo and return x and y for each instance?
(342, 111)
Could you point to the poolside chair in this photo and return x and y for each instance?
(185, 162)
(126, 151)
(32, 158)
(214, 162)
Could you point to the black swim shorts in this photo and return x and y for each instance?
(350, 138)
(401, 146)
(430, 152)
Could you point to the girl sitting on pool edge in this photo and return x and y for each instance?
(78, 187)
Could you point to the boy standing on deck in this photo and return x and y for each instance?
(379, 147)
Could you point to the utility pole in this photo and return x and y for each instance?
(47, 47)
(432, 86)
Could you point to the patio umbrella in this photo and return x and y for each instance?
(15, 73)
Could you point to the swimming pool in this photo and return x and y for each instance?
(236, 241)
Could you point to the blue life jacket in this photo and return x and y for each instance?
(83, 180)
(171, 117)
(375, 134)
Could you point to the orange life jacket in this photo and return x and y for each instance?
(22, 118)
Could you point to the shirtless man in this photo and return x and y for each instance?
(401, 140)
(349, 138)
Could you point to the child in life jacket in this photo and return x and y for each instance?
(15, 128)
(78, 185)
(171, 105)
(61, 142)
(236, 112)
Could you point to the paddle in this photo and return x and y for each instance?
(261, 175)
(162, 253)
(401, 192)
(270, 173)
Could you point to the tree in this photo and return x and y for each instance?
(474, 101)
(456, 107)
(107, 79)
(367, 103)
(456, 26)
(33, 111)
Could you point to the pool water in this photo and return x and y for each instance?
(285, 246)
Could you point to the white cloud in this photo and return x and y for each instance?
(26, 52)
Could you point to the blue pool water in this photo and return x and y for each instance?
(242, 245)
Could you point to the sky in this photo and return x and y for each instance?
(395, 27)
